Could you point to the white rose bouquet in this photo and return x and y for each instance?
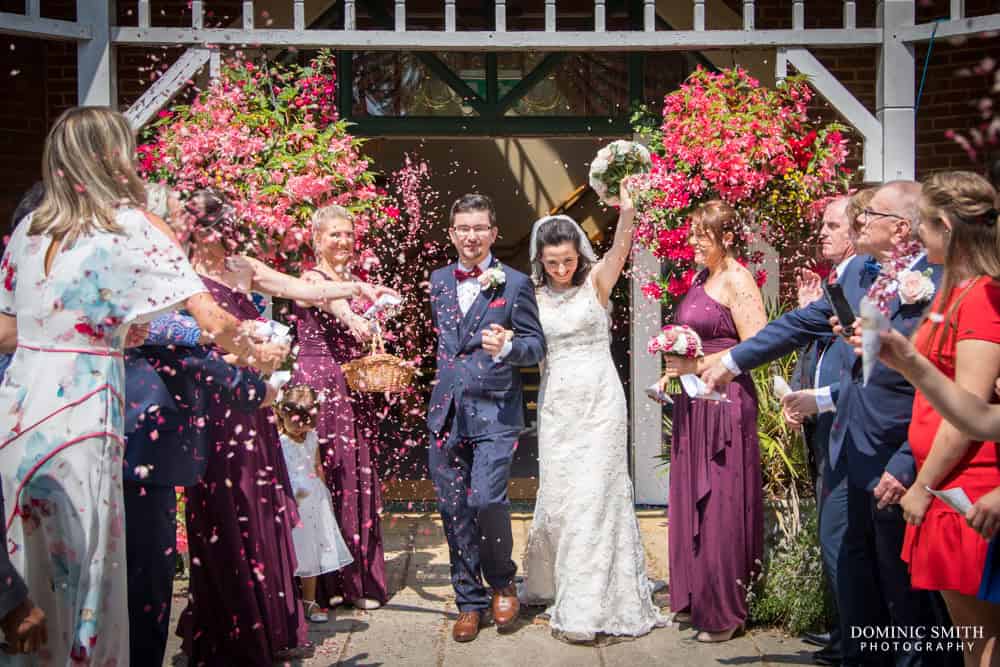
(613, 164)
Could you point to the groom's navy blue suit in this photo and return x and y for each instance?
(475, 417)
(861, 544)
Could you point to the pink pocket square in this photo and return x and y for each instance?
(498, 303)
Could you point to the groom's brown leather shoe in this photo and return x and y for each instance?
(467, 626)
(505, 607)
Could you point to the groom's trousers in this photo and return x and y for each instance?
(470, 477)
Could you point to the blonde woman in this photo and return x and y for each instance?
(86, 265)
(325, 341)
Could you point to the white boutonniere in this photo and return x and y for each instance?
(915, 286)
(493, 277)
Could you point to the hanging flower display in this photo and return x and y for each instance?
(267, 137)
(724, 136)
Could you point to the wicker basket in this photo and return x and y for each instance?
(378, 372)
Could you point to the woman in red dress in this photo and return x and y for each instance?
(961, 337)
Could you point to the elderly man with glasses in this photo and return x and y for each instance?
(869, 461)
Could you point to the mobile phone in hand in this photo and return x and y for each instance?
(835, 295)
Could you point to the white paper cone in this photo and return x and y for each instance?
(384, 301)
(695, 388)
(873, 322)
(780, 387)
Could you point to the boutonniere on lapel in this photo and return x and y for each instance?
(492, 277)
(886, 286)
(915, 286)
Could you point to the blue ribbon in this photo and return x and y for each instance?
(872, 267)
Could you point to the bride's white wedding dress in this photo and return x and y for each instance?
(585, 555)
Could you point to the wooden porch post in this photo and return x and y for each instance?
(97, 83)
(895, 91)
(648, 476)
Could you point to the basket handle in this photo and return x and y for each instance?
(378, 344)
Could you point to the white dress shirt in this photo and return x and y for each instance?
(468, 292)
(470, 288)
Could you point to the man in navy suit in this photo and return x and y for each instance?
(817, 382)
(869, 463)
(476, 413)
(168, 388)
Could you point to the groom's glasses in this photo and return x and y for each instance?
(466, 231)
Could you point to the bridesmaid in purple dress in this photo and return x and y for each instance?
(244, 606)
(325, 341)
(715, 509)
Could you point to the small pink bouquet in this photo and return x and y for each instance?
(678, 340)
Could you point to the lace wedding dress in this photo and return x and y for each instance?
(584, 556)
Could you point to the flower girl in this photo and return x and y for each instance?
(319, 546)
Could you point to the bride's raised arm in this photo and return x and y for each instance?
(609, 268)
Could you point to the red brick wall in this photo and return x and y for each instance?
(45, 81)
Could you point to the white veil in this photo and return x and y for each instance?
(587, 250)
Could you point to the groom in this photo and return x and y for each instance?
(476, 414)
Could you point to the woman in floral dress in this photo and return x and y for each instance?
(76, 274)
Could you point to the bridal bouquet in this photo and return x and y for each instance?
(613, 164)
(678, 340)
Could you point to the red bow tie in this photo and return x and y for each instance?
(461, 275)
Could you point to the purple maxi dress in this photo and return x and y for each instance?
(716, 509)
(243, 604)
(350, 469)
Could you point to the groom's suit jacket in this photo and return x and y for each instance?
(873, 418)
(483, 395)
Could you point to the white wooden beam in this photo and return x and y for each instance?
(966, 27)
(449, 15)
(500, 16)
(400, 12)
(957, 9)
(550, 15)
(600, 16)
(299, 15)
(749, 14)
(19, 25)
(798, 15)
(350, 16)
(144, 15)
(96, 66)
(197, 14)
(167, 86)
(698, 8)
(850, 14)
(649, 15)
(843, 101)
(33, 8)
(388, 40)
(895, 91)
(248, 14)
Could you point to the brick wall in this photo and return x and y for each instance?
(45, 79)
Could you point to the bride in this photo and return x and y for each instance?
(584, 556)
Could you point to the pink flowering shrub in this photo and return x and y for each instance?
(981, 138)
(725, 136)
(268, 138)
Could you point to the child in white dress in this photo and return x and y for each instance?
(319, 546)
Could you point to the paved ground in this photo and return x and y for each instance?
(413, 630)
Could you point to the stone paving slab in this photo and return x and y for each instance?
(414, 629)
